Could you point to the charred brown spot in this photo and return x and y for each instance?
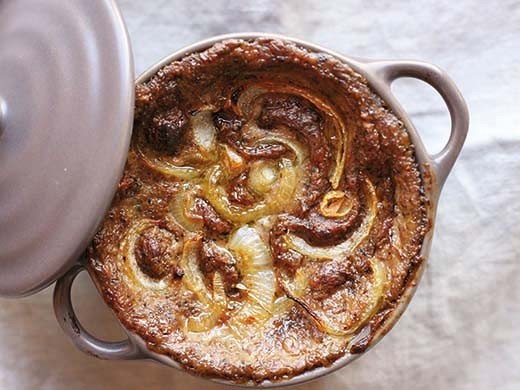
(156, 250)
(228, 124)
(238, 191)
(319, 230)
(215, 259)
(212, 221)
(178, 272)
(331, 276)
(284, 258)
(166, 130)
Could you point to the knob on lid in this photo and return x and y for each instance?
(66, 109)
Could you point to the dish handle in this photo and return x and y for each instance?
(86, 342)
(391, 70)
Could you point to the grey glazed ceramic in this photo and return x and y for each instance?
(434, 170)
(66, 111)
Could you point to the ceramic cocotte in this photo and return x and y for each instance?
(434, 170)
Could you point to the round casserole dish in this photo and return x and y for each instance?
(434, 171)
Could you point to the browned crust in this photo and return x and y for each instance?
(381, 151)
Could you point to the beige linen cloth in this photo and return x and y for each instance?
(462, 329)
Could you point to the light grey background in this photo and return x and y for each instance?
(462, 329)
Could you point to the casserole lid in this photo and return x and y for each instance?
(66, 111)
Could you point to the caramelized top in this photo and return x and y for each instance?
(269, 216)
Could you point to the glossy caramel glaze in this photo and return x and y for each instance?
(270, 213)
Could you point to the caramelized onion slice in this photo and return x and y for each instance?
(233, 162)
(193, 278)
(282, 305)
(258, 279)
(261, 286)
(376, 293)
(212, 313)
(245, 103)
(204, 132)
(258, 306)
(342, 152)
(213, 304)
(276, 201)
(335, 204)
(247, 244)
(162, 165)
(299, 245)
(296, 147)
(262, 176)
(181, 206)
(296, 287)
